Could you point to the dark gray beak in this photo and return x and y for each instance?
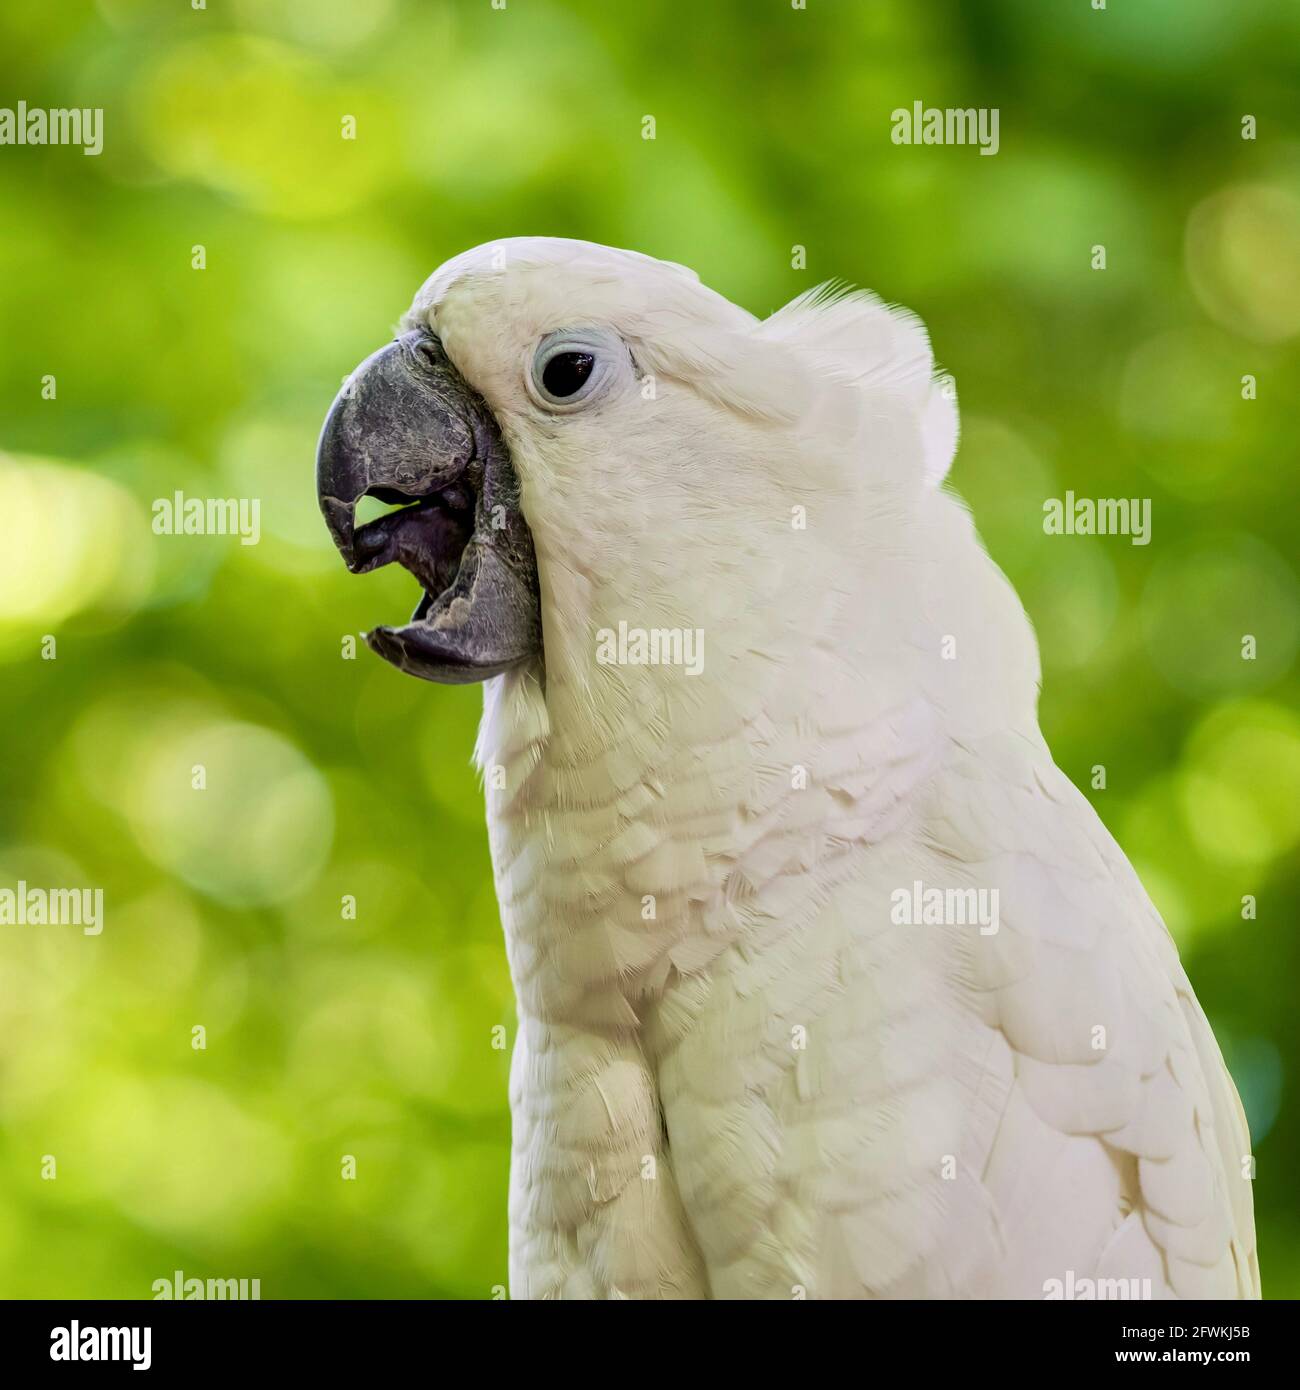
(407, 428)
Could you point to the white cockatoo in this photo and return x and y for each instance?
(830, 984)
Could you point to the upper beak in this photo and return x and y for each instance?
(407, 427)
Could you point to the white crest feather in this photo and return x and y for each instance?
(858, 338)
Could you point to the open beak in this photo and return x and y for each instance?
(407, 428)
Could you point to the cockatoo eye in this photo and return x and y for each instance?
(572, 367)
(566, 372)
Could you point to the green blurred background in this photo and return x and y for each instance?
(328, 777)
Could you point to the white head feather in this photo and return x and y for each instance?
(675, 499)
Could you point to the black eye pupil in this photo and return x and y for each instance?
(564, 374)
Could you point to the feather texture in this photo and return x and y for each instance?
(737, 1074)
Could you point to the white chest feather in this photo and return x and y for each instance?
(737, 1074)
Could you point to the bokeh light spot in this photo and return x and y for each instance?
(258, 831)
(1243, 259)
(70, 541)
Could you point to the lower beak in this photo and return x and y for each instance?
(407, 428)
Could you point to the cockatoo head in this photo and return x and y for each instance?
(589, 437)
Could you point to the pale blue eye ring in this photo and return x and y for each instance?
(574, 366)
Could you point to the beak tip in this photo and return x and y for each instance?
(340, 518)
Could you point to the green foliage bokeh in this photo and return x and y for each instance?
(327, 777)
